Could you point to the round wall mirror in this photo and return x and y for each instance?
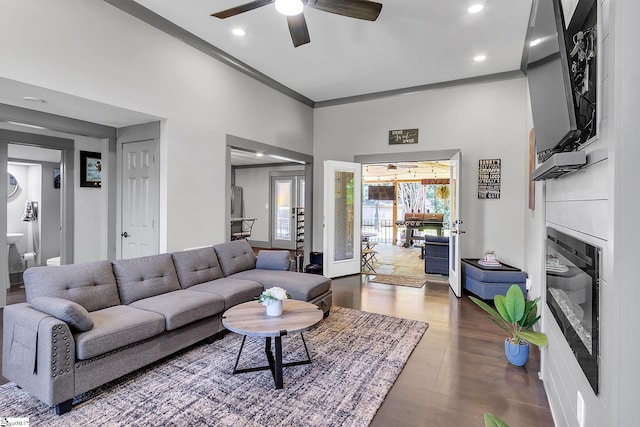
(12, 185)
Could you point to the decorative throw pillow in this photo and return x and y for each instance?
(273, 260)
(75, 315)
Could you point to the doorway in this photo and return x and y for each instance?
(139, 202)
(389, 159)
(249, 168)
(396, 197)
(287, 197)
(34, 209)
(37, 227)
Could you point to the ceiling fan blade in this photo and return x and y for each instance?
(298, 29)
(360, 9)
(242, 8)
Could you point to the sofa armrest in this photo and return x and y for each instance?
(38, 353)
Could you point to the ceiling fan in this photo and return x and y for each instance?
(360, 9)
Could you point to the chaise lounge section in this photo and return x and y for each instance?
(84, 325)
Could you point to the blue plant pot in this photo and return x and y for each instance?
(517, 354)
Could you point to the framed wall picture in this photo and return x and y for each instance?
(489, 178)
(90, 169)
(403, 136)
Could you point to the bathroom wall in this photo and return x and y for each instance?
(15, 205)
(50, 217)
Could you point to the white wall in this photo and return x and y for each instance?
(95, 51)
(90, 207)
(486, 121)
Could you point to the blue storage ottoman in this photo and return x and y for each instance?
(488, 283)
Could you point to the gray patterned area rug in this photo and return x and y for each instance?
(356, 356)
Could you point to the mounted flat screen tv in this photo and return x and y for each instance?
(382, 192)
(561, 74)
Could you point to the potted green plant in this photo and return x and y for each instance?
(516, 316)
(491, 420)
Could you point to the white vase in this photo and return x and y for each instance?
(274, 309)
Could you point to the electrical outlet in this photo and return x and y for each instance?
(527, 284)
(580, 410)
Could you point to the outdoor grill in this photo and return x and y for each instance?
(413, 221)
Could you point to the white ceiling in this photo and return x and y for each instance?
(412, 43)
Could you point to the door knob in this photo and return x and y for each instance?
(125, 234)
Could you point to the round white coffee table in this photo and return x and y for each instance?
(250, 320)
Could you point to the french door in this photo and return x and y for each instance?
(455, 276)
(342, 218)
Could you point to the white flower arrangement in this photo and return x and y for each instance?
(272, 295)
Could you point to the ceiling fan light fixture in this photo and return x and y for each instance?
(475, 8)
(289, 7)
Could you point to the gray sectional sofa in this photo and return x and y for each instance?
(84, 325)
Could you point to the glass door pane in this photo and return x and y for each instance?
(283, 201)
(344, 216)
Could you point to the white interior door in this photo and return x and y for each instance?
(140, 199)
(342, 218)
(455, 277)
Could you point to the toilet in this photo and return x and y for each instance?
(53, 261)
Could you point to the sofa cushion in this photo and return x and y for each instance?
(196, 266)
(145, 277)
(273, 260)
(235, 256)
(116, 327)
(91, 284)
(73, 314)
(300, 286)
(182, 307)
(234, 291)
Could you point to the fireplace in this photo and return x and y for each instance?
(573, 278)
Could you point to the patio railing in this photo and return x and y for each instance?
(383, 230)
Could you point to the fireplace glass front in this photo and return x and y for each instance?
(573, 273)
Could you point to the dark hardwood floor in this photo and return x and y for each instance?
(458, 371)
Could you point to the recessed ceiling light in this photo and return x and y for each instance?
(535, 42)
(259, 154)
(33, 99)
(479, 58)
(239, 32)
(475, 8)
